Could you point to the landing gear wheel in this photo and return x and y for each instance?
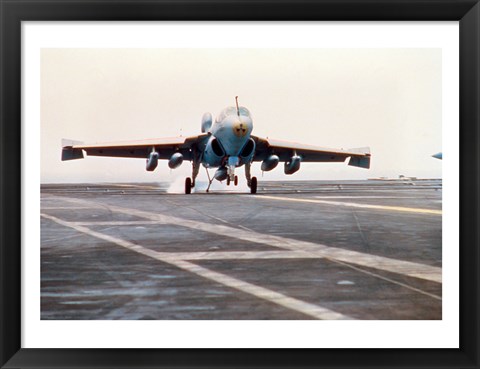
(235, 182)
(253, 185)
(188, 185)
(228, 181)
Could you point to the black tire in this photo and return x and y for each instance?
(188, 185)
(235, 182)
(253, 185)
(228, 181)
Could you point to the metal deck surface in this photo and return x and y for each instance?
(295, 250)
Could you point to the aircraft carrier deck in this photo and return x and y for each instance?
(295, 250)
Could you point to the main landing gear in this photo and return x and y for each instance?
(253, 185)
(251, 181)
(190, 183)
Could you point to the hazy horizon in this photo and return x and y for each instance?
(387, 99)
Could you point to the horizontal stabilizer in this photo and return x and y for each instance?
(363, 158)
(69, 152)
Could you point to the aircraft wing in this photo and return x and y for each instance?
(134, 149)
(359, 157)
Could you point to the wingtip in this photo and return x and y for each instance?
(361, 150)
(360, 162)
(70, 143)
(68, 152)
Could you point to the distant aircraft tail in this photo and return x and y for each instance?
(68, 152)
(363, 158)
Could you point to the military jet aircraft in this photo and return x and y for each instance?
(226, 143)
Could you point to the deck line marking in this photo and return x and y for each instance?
(291, 303)
(408, 268)
(118, 223)
(262, 255)
(436, 297)
(65, 207)
(132, 186)
(366, 197)
(354, 205)
(238, 255)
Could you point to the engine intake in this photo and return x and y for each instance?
(213, 154)
(248, 150)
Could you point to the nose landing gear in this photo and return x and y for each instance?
(235, 181)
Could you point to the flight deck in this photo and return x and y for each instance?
(298, 250)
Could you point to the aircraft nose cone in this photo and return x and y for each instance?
(240, 129)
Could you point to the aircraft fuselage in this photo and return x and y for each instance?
(229, 145)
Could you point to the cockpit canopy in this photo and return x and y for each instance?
(232, 110)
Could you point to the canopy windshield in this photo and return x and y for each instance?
(232, 110)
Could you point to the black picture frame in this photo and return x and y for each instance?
(12, 13)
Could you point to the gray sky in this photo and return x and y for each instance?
(388, 99)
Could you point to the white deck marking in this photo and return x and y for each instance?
(65, 207)
(366, 197)
(237, 255)
(142, 187)
(389, 280)
(263, 255)
(118, 223)
(408, 268)
(354, 205)
(291, 303)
